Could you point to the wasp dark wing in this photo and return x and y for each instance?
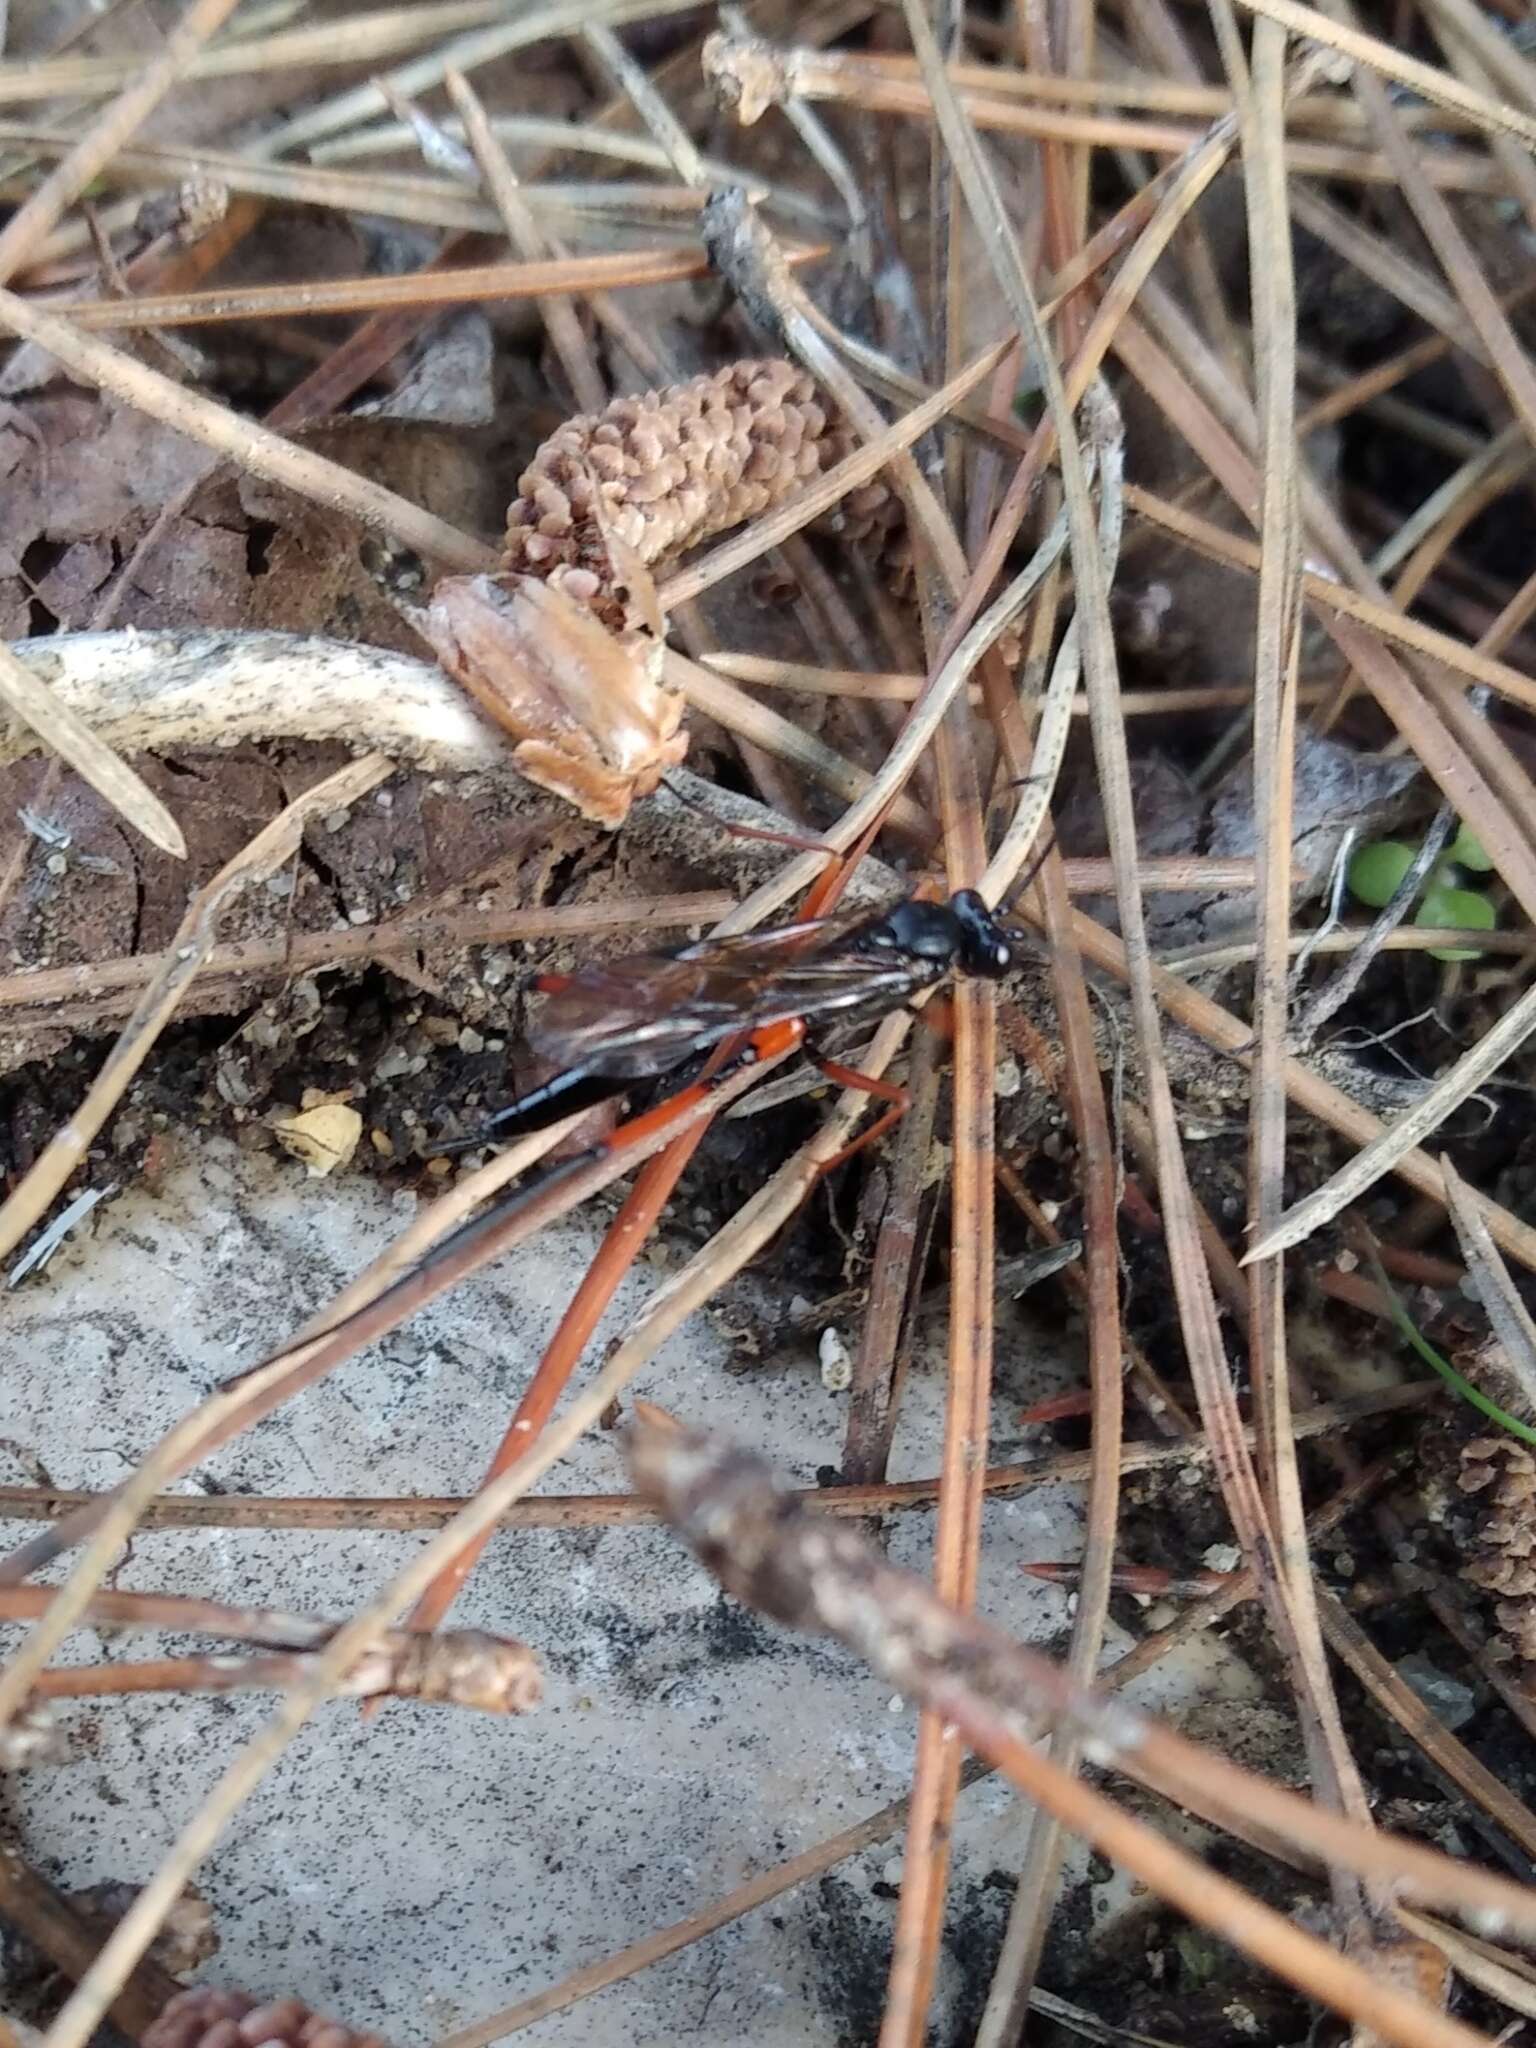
(649, 1012)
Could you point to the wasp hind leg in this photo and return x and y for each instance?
(882, 1091)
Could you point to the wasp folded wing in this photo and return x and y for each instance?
(649, 1012)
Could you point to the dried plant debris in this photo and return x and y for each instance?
(588, 709)
(423, 848)
(81, 480)
(247, 553)
(323, 1136)
(188, 1939)
(564, 647)
(1339, 790)
(206, 2018)
(367, 1009)
(1498, 1473)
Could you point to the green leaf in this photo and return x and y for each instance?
(1376, 870)
(1467, 909)
(1468, 852)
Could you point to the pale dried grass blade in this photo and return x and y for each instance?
(363, 39)
(1013, 1981)
(1259, 82)
(72, 739)
(1404, 1134)
(1428, 80)
(467, 53)
(558, 311)
(1501, 1299)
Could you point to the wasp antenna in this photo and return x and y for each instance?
(1035, 866)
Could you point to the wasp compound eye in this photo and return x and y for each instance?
(985, 947)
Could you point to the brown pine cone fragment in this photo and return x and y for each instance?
(564, 648)
(671, 468)
(207, 2018)
(1503, 1469)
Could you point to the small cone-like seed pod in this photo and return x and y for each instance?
(1503, 1471)
(564, 648)
(670, 468)
(206, 2018)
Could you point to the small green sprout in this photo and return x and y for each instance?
(1466, 909)
(1467, 851)
(1377, 869)
(1376, 872)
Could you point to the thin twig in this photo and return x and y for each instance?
(414, 1512)
(817, 1578)
(878, 1827)
(466, 285)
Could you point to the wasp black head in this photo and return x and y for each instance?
(985, 946)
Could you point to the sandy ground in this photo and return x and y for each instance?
(418, 1872)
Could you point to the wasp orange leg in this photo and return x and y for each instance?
(634, 1222)
(883, 1091)
(628, 1231)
